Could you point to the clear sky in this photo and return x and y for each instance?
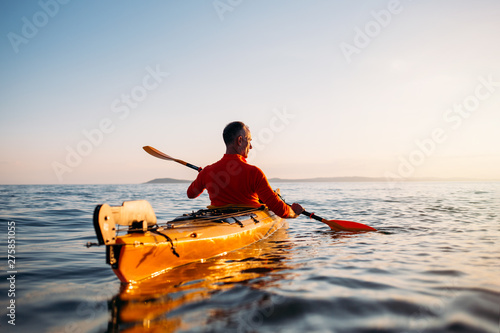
(393, 89)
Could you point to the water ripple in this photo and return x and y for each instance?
(431, 267)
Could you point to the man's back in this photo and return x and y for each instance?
(233, 181)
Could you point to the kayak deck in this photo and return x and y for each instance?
(149, 249)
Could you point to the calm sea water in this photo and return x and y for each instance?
(434, 265)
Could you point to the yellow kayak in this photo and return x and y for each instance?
(148, 249)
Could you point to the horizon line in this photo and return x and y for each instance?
(345, 179)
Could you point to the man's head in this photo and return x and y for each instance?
(237, 138)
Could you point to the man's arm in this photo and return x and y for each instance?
(196, 188)
(274, 202)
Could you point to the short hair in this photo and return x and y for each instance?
(231, 131)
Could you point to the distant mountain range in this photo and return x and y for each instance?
(167, 181)
(323, 180)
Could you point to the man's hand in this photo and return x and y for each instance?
(297, 209)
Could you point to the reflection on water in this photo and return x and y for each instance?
(159, 303)
(237, 291)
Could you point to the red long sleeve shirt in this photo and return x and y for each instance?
(233, 181)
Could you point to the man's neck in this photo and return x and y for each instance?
(232, 151)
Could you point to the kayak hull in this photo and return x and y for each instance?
(143, 254)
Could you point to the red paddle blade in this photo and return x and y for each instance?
(340, 225)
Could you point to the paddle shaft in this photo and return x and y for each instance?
(312, 216)
(189, 165)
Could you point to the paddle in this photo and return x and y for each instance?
(340, 225)
(156, 153)
(337, 225)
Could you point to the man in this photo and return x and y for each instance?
(233, 181)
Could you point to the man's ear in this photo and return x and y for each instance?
(239, 140)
